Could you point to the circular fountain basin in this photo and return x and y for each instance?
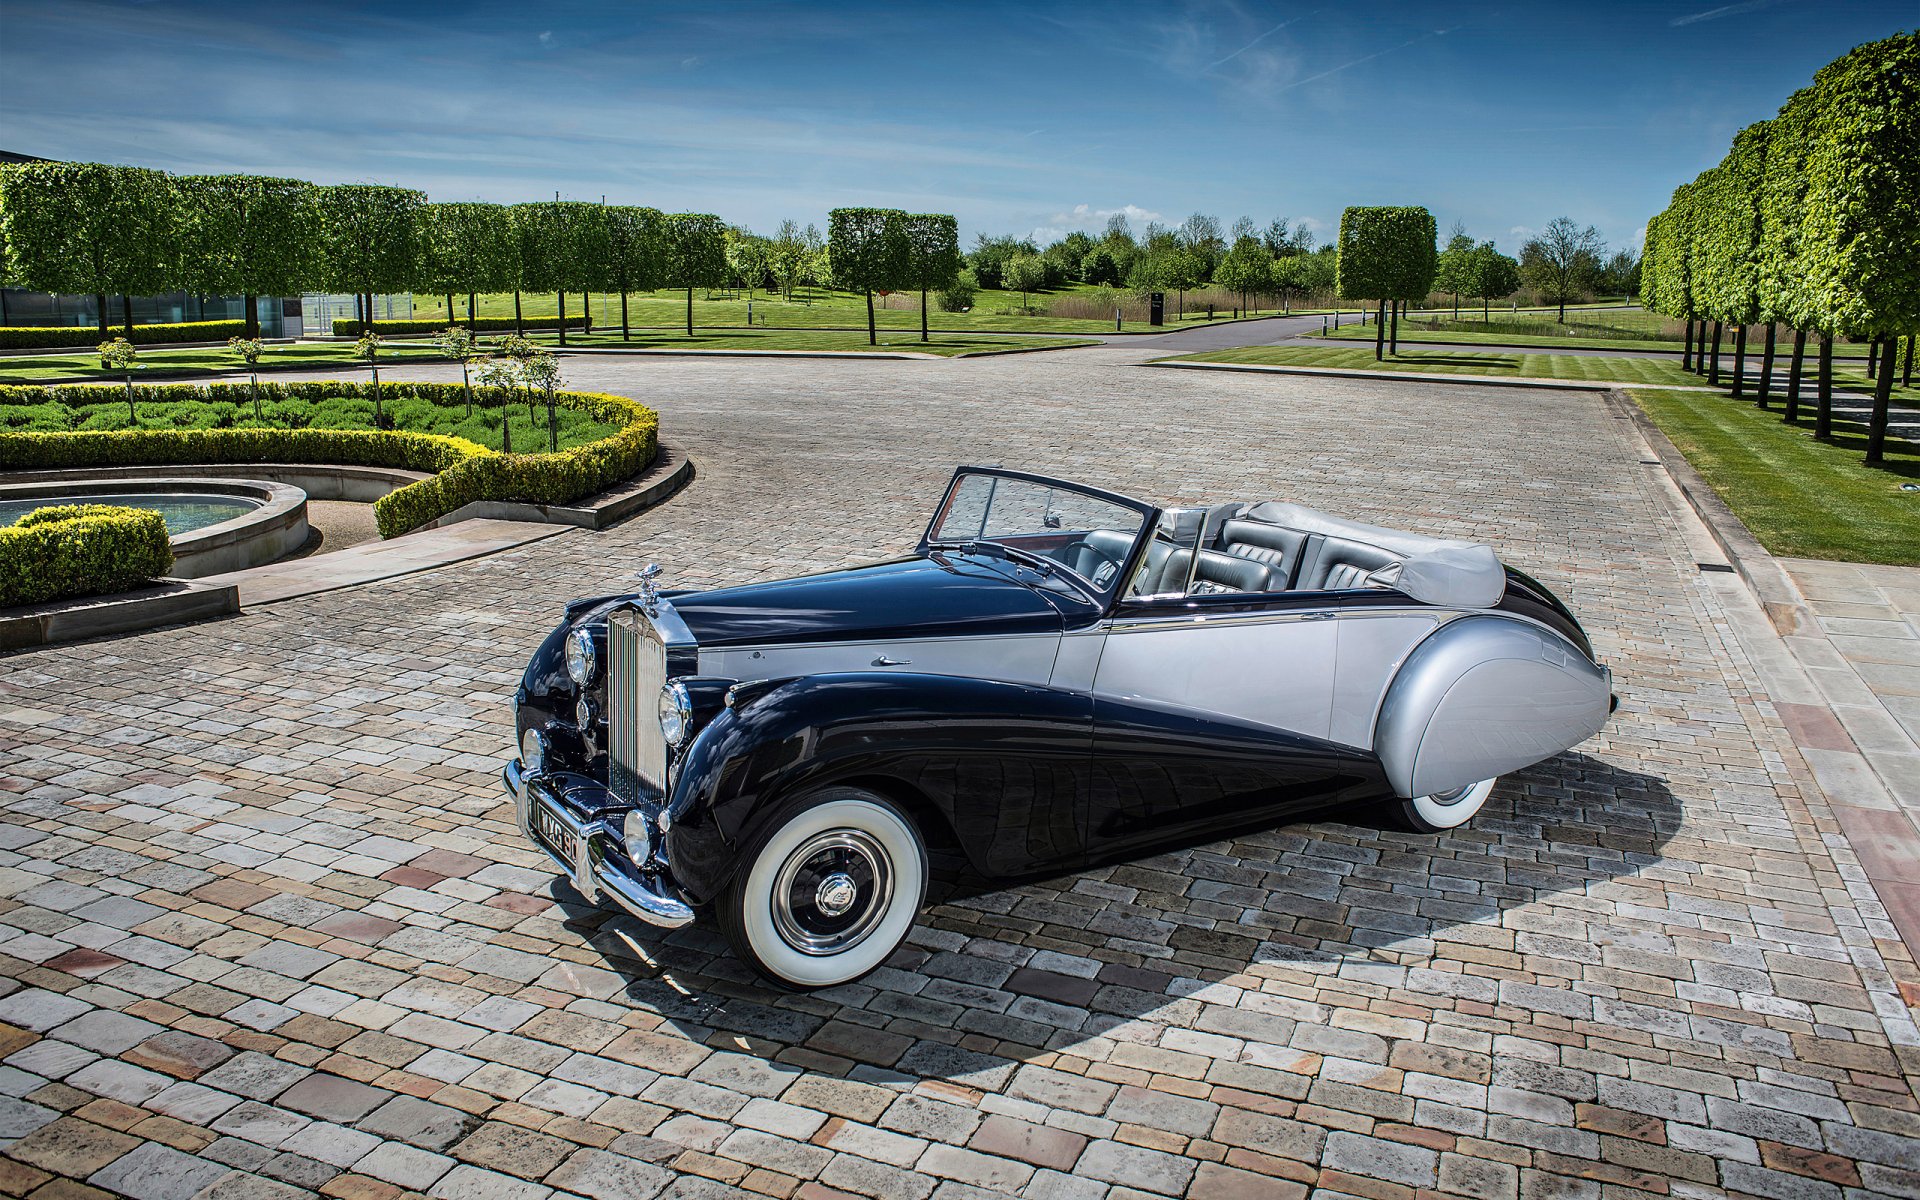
(214, 525)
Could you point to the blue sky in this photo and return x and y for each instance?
(1022, 118)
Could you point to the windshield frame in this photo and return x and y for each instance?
(1149, 515)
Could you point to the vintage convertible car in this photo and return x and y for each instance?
(1058, 676)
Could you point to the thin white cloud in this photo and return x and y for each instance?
(1725, 10)
(1261, 38)
(1365, 58)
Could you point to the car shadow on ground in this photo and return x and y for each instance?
(1039, 969)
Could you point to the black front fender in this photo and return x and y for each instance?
(1004, 766)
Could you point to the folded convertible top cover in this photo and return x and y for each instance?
(1432, 570)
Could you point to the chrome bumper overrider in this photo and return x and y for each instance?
(592, 872)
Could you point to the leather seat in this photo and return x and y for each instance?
(1218, 572)
(1273, 546)
(1338, 563)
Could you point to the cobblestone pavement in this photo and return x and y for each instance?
(267, 927)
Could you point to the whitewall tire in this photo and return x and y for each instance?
(1446, 810)
(829, 892)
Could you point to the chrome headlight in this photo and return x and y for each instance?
(638, 838)
(533, 751)
(582, 659)
(676, 714)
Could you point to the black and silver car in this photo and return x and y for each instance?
(1056, 677)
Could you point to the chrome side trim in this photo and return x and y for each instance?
(594, 874)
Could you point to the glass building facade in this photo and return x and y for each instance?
(279, 316)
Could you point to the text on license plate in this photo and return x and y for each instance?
(552, 831)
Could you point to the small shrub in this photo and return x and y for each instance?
(958, 295)
(80, 550)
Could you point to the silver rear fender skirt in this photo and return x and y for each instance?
(1484, 696)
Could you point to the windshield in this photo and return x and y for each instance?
(1046, 523)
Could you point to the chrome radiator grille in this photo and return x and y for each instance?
(636, 671)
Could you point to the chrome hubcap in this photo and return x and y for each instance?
(1453, 797)
(832, 892)
(835, 895)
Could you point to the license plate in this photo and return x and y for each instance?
(554, 833)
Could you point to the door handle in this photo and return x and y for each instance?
(1319, 616)
(884, 661)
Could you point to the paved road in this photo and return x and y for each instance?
(268, 928)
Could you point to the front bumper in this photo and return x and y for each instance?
(593, 871)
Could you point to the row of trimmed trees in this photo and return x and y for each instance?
(1811, 222)
(93, 228)
(885, 250)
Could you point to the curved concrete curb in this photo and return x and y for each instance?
(169, 602)
(1779, 596)
(320, 481)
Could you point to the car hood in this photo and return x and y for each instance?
(920, 597)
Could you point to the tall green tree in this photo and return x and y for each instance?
(1491, 276)
(564, 247)
(1386, 254)
(247, 235)
(466, 248)
(1783, 202)
(636, 255)
(869, 251)
(367, 239)
(933, 255)
(1246, 269)
(90, 228)
(1858, 240)
(1561, 261)
(695, 246)
(1453, 268)
(1727, 230)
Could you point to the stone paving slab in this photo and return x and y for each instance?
(266, 927)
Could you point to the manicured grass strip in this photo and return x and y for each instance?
(816, 308)
(946, 345)
(1517, 365)
(68, 368)
(1799, 496)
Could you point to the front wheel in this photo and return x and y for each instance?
(1445, 810)
(829, 893)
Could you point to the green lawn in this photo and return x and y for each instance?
(947, 345)
(411, 413)
(817, 308)
(1799, 496)
(1609, 329)
(70, 368)
(1517, 365)
(399, 352)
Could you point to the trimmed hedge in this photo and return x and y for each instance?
(34, 337)
(351, 328)
(463, 471)
(80, 550)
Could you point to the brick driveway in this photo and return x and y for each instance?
(266, 927)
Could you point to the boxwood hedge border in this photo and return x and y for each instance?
(462, 471)
(63, 337)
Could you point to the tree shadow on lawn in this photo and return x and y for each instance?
(1169, 940)
(1483, 362)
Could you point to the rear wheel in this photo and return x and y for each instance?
(829, 892)
(1446, 810)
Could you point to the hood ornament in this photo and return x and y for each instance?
(649, 594)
